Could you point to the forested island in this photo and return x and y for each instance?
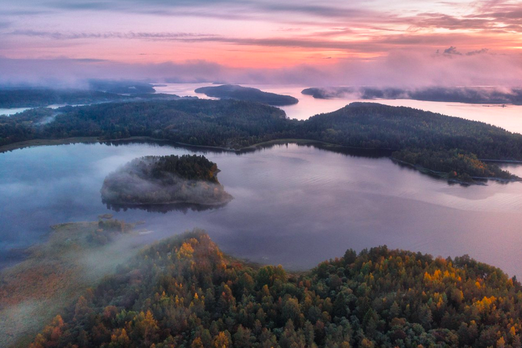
(470, 95)
(184, 292)
(448, 147)
(247, 94)
(160, 180)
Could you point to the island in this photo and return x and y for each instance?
(185, 292)
(469, 95)
(165, 180)
(247, 93)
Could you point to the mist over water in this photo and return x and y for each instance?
(293, 205)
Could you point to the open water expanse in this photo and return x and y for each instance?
(294, 205)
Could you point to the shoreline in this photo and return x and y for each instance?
(47, 142)
(92, 140)
(172, 203)
(258, 146)
(477, 180)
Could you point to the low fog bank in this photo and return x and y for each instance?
(76, 257)
(471, 95)
(401, 69)
(129, 189)
(10, 82)
(90, 92)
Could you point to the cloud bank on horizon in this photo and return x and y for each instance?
(370, 42)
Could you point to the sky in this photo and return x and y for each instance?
(357, 42)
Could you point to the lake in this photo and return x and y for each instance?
(294, 205)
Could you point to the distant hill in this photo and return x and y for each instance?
(98, 91)
(247, 94)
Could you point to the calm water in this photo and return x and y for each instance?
(293, 205)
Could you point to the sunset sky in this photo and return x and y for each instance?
(343, 42)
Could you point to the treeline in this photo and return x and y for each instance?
(413, 135)
(30, 98)
(183, 292)
(190, 167)
(16, 98)
(97, 91)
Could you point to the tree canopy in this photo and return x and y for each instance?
(185, 292)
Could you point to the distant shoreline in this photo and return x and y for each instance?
(93, 140)
(205, 204)
(317, 143)
(97, 140)
(47, 142)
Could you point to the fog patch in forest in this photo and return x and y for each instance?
(76, 257)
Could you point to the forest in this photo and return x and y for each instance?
(165, 180)
(248, 94)
(411, 135)
(184, 292)
(415, 136)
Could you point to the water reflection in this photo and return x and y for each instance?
(163, 208)
(349, 151)
(294, 205)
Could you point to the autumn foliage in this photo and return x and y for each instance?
(184, 292)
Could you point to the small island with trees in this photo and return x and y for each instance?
(157, 180)
(248, 94)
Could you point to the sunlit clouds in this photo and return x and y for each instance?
(242, 38)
